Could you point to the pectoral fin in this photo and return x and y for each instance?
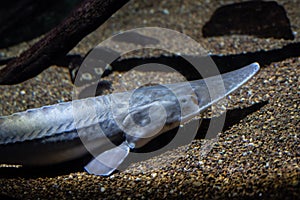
(108, 161)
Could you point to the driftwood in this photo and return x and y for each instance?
(88, 16)
(27, 19)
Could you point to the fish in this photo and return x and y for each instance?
(109, 126)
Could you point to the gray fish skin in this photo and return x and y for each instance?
(53, 134)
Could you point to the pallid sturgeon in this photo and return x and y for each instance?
(56, 133)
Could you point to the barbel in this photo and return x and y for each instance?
(109, 125)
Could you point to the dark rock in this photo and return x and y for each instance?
(263, 19)
(135, 38)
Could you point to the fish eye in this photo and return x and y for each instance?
(183, 100)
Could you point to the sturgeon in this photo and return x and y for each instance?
(109, 126)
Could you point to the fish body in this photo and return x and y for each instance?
(109, 125)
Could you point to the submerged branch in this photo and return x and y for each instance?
(88, 16)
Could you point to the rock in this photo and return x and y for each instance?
(263, 19)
